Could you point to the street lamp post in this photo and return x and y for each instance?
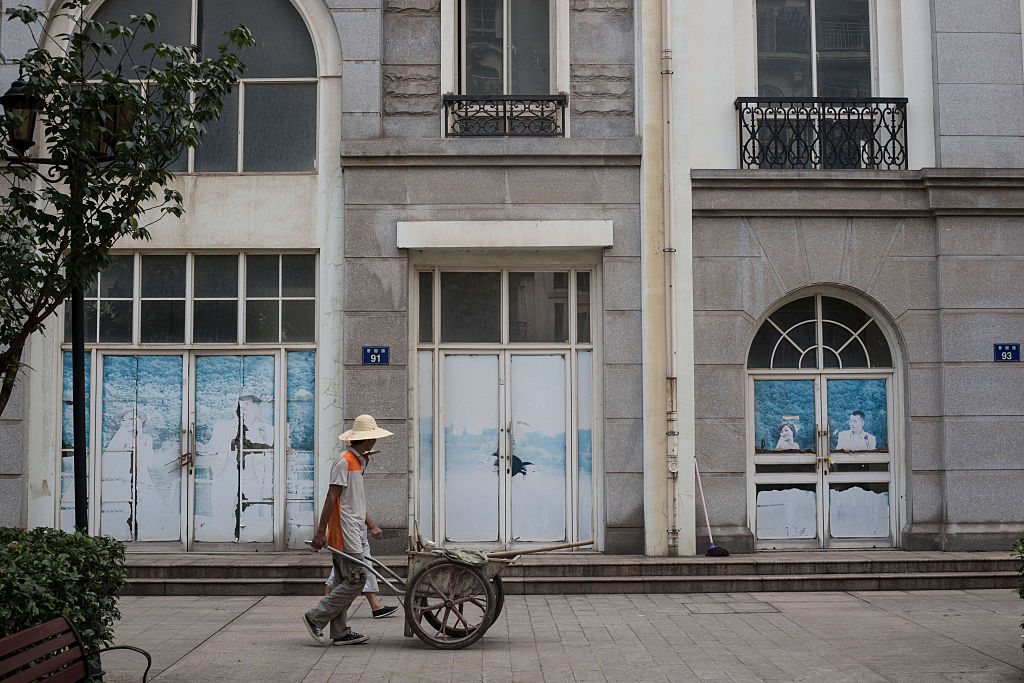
(25, 108)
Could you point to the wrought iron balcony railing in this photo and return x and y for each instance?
(505, 115)
(823, 132)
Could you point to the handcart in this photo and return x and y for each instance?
(450, 602)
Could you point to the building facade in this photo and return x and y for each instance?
(566, 250)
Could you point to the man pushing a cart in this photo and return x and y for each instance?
(341, 526)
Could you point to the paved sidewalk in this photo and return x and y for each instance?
(858, 636)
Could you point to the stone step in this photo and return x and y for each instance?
(544, 585)
(595, 566)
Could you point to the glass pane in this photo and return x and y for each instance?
(426, 300)
(843, 34)
(583, 308)
(261, 321)
(484, 55)
(797, 320)
(215, 277)
(783, 48)
(298, 275)
(162, 321)
(219, 150)
(280, 127)
(585, 444)
(471, 448)
(425, 444)
(784, 416)
(283, 46)
(537, 305)
(174, 17)
(298, 320)
(858, 415)
(858, 510)
(470, 307)
(531, 48)
(215, 321)
(299, 513)
(879, 354)
(163, 276)
(116, 321)
(116, 280)
(786, 511)
(90, 322)
(537, 460)
(261, 275)
(92, 288)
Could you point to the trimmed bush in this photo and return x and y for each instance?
(45, 573)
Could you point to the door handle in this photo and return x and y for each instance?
(185, 459)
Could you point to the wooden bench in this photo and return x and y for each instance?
(53, 652)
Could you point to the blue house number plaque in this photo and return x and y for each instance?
(1006, 353)
(376, 355)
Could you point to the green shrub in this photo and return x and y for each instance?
(45, 573)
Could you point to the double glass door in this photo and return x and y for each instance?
(506, 447)
(206, 449)
(823, 463)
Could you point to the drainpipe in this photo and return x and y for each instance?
(671, 397)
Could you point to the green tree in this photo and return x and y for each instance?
(113, 124)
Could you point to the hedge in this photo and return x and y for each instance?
(45, 573)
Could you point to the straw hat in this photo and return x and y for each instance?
(364, 427)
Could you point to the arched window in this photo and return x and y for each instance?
(819, 332)
(269, 120)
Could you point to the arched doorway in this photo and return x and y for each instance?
(823, 426)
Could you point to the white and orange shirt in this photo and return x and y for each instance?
(348, 519)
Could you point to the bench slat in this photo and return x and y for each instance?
(44, 648)
(48, 667)
(33, 635)
(75, 672)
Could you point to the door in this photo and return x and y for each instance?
(233, 478)
(141, 482)
(505, 447)
(823, 466)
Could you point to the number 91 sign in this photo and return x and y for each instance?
(376, 355)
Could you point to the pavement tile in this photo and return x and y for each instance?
(737, 637)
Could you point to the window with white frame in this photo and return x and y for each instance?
(506, 47)
(248, 298)
(268, 123)
(814, 48)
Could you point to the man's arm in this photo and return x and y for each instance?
(320, 537)
(374, 530)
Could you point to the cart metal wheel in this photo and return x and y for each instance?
(449, 605)
(499, 597)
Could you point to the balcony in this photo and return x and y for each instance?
(823, 132)
(504, 115)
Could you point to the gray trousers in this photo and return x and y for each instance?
(333, 606)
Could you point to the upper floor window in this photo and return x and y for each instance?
(269, 120)
(814, 48)
(506, 47)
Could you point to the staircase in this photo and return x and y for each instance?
(301, 573)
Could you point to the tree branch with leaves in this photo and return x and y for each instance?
(112, 127)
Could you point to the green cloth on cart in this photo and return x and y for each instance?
(474, 558)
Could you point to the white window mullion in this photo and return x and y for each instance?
(241, 122)
(814, 48)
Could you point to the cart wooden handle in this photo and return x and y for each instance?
(527, 551)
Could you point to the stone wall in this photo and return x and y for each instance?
(12, 464)
(940, 253)
(517, 179)
(411, 87)
(602, 68)
(980, 84)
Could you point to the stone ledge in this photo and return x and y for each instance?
(491, 151)
(927, 192)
